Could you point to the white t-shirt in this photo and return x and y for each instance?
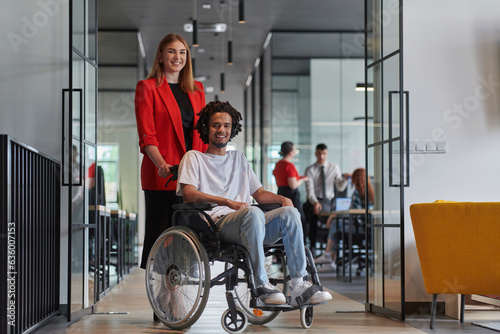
(229, 176)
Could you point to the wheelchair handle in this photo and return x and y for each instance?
(174, 169)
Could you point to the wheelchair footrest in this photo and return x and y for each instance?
(258, 304)
(297, 307)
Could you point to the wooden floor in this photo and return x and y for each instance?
(126, 310)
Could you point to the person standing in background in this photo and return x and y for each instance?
(323, 178)
(288, 179)
(166, 106)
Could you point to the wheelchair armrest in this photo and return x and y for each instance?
(204, 206)
(267, 206)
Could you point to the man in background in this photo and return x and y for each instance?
(323, 178)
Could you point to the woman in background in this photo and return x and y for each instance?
(329, 256)
(358, 197)
(288, 179)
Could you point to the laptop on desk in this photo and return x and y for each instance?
(343, 203)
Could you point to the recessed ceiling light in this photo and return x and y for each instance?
(206, 27)
(206, 6)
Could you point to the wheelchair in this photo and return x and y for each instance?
(178, 278)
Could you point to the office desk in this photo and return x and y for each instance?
(345, 221)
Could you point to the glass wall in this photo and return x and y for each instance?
(82, 163)
(314, 98)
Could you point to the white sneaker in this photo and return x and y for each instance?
(317, 298)
(328, 268)
(270, 295)
(323, 258)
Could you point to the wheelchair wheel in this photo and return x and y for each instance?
(178, 278)
(276, 269)
(231, 325)
(306, 317)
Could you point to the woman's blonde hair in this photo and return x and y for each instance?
(186, 80)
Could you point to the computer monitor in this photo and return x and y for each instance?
(342, 203)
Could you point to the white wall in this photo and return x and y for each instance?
(452, 71)
(33, 71)
(33, 66)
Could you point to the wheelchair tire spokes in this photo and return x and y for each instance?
(178, 278)
(277, 272)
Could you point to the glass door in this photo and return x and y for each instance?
(386, 156)
(79, 146)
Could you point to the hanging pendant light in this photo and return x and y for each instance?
(230, 40)
(195, 25)
(230, 52)
(195, 33)
(241, 11)
(222, 83)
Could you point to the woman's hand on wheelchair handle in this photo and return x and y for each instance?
(164, 170)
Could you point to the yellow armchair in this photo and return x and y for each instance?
(458, 245)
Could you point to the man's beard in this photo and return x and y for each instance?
(220, 145)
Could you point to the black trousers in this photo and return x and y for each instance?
(294, 196)
(312, 224)
(159, 213)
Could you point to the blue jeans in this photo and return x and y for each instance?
(253, 229)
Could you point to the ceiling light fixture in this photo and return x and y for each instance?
(195, 33)
(268, 39)
(206, 27)
(230, 52)
(360, 87)
(230, 41)
(241, 11)
(222, 82)
(249, 80)
(206, 6)
(195, 25)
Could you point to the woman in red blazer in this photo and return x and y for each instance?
(166, 108)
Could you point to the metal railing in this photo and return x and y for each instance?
(29, 236)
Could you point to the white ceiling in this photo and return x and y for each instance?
(156, 18)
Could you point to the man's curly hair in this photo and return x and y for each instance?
(212, 108)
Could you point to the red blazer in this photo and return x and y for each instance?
(159, 123)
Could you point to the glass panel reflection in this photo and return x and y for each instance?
(392, 267)
(78, 91)
(79, 25)
(77, 269)
(374, 30)
(90, 104)
(389, 17)
(91, 30)
(391, 97)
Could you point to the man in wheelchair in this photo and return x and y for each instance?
(226, 178)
